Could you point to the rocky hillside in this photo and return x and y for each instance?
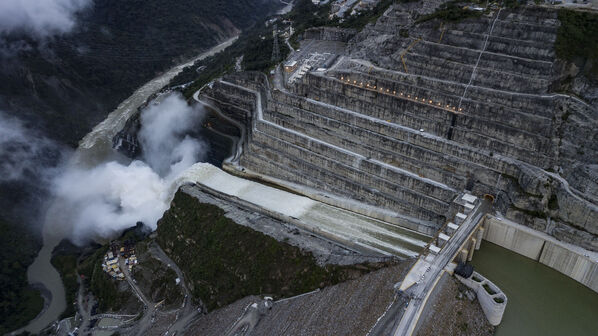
(430, 100)
(61, 86)
(224, 261)
(69, 83)
(518, 75)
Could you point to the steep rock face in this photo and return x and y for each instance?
(329, 34)
(419, 111)
(499, 69)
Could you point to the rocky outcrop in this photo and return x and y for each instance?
(499, 69)
(329, 34)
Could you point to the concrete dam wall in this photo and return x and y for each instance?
(574, 262)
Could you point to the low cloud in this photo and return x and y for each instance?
(164, 138)
(40, 18)
(113, 196)
(102, 201)
(28, 164)
(25, 154)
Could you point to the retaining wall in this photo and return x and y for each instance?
(573, 261)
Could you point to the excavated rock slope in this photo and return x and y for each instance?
(416, 112)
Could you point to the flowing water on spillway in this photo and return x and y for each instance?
(95, 148)
(542, 301)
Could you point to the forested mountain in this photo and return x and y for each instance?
(66, 84)
(57, 87)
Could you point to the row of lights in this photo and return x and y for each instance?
(424, 100)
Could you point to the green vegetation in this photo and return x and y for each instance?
(215, 67)
(359, 21)
(66, 265)
(307, 15)
(157, 280)
(255, 45)
(452, 11)
(488, 289)
(258, 53)
(576, 39)
(102, 285)
(499, 300)
(512, 3)
(19, 303)
(120, 46)
(82, 76)
(224, 262)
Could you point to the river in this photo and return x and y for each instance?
(542, 301)
(94, 148)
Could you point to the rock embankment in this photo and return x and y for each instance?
(349, 308)
(223, 261)
(453, 310)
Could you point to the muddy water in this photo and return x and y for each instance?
(542, 301)
(95, 148)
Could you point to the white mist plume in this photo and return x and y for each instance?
(166, 147)
(40, 18)
(112, 197)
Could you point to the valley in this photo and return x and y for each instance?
(335, 168)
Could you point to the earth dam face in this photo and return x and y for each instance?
(94, 148)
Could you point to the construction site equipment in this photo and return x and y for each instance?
(405, 52)
(443, 29)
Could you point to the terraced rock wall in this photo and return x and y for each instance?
(499, 70)
(470, 108)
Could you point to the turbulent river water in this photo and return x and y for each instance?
(95, 148)
(542, 301)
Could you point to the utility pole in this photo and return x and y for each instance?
(275, 48)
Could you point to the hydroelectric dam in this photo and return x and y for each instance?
(415, 146)
(401, 129)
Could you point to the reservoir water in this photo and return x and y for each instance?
(542, 301)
